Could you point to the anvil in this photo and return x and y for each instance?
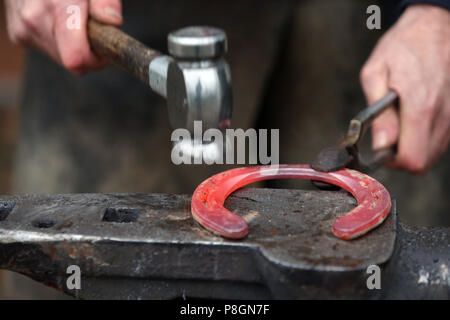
(148, 246)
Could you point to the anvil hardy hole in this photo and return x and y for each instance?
(5, 209)
(43, 223)
(122, 215)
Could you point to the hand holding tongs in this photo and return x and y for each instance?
(346, 154)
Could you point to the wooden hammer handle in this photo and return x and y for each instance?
(120, 49)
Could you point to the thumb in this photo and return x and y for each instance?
(106, 11)
(385, 128)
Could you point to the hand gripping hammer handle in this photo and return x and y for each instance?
(121, 50)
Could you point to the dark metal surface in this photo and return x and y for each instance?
(420, 266)
(137, 246)
(332, 158)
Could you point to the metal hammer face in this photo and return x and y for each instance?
(195, 79)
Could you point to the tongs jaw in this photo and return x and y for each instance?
(346, 154)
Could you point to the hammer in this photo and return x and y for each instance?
(195, 79)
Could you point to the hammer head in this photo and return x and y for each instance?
(198, 79)
(199, 91)
(198, 87)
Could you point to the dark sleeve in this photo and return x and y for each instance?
(440, 3)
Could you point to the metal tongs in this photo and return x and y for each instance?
(346, 154)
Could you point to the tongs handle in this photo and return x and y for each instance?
(371, 112)
(358, 127)
(363, 120)
(378, 159)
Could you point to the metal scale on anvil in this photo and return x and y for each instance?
(264, 243)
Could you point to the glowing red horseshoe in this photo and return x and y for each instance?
(374, 202)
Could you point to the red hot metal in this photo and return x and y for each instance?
(374, 201)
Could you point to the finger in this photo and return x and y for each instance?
(43, 36)
(29, 23)
(440, 136)
(14, 28)
(415, 135)
(106, 11)
(72, 42)
(385, 128)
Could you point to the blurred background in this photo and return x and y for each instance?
(11, 67)
(318, 51)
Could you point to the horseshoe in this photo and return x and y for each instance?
(374, 201)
